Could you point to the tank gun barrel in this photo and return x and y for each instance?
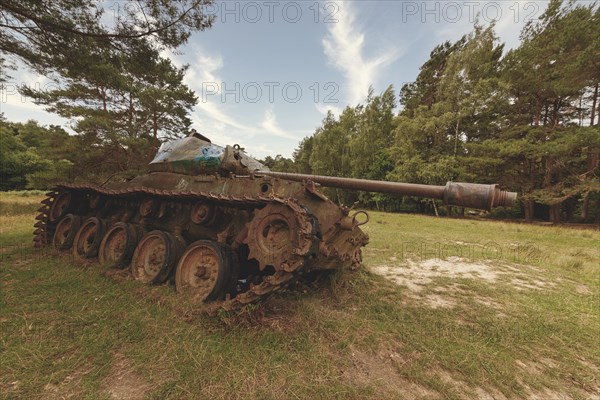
(472, 195)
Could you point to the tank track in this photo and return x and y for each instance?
(308, 235)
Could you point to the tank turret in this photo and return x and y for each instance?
(196, 155)
(219, 225)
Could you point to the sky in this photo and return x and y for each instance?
(267, 72)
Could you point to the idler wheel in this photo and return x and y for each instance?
(60, 206)
(155, 257)
(206, 271)
(88, 238)
(118, 245)
(65, 232)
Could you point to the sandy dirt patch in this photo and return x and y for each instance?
(381, 371)
(415, 275)
(69, 387)
(123, 383)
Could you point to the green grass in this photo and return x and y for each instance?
(20, 203)
(68, 329)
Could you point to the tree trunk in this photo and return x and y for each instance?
(594, 103)
(456, 136)
(154, 126)
(581, 110)
(547, 164)
(555, 213)
(462, 211)
(528, 209)
(585, 207)
(555, 112)
(130, 115)
(103, 94)
(570, 205)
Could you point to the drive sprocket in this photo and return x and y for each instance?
(277, 235)
(283, 235)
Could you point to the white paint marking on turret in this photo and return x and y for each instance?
(182, 184)
(224, 188)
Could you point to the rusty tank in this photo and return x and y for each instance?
(219, 225)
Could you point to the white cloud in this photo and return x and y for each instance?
(214, 111)
(204, 70)
(344, 45)
(324, 108)
(270, 126)
(211, 118)
(19, 108)
(203, 76)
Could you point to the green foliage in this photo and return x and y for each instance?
(37, 157)
(108, 78)
(555, 64)
(527, 119)
(48, 34)
(301, 156)
(354, 145)
(474, 114)
(17, 159)
(53, 173)
(123, 96)
(424, 91)
(279, 163)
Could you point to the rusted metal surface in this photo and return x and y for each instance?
(64, 233)
(195, 154)
(235, 232)
(58, 206)
(88, 238)
(118, 244)
(203, 271)
(153, 258)
(472, 195)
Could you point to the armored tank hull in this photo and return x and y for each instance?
(220, 226)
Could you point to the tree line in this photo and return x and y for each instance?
(526, 118)
(107, 75)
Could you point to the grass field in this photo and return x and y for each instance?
(444, 309)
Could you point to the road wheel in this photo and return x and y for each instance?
(118, 245)
(60, 206)
(65, 232)
(206, 271)
(155, 257)
(88, 238)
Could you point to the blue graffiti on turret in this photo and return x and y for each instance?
(210, 152)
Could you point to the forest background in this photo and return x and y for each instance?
(526, 118)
